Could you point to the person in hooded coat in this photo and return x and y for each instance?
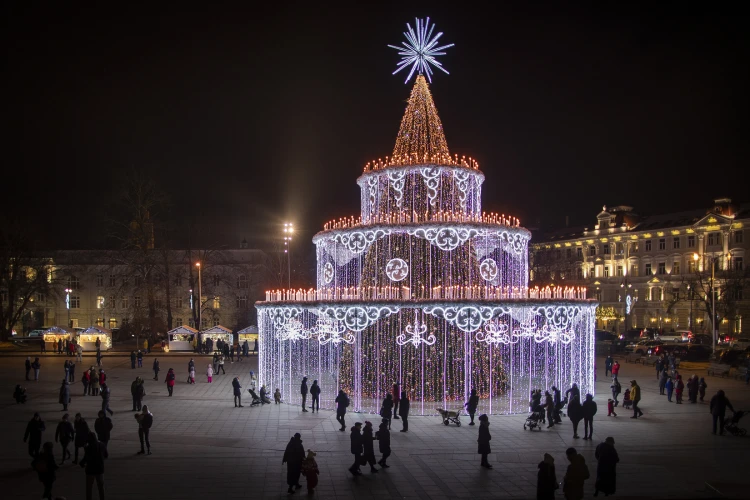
(293, 457)
(384, 441)
(64, 396)
(355, 446)
(577, 473)
(82, 434)
(33, 434)
(702, 386)
(368, 446)
(471, 405)
(484, 440)
(546, 479)
(606, 473)
(64, 434)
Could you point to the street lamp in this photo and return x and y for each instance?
(690, 296)
(67, 303)
(628, 301)
(288, 230)
(198, 265)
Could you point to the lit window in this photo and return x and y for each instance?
(633, 270)
(112, 323)
(217, 302)
(99, 305)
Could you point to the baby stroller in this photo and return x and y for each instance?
(730, 424)
(534, 420)
(256, 400)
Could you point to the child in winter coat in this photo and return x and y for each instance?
(310, 471)
(192, 375)
(277, 396)
(669, 386)
(626, 401)
(611, 407)
(210, 373)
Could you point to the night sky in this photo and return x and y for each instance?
(248, 118)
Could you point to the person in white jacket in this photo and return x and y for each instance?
(210, 373)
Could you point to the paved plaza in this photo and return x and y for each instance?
(204, 448)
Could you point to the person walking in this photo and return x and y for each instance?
(155, 367)
(79, 353)
(310, 470)
(384, 441)
(103, 428)
(71, 372)
(105, 394)
(45, 467)
(36, 366)
(255, 347)
(237, 392)
(342, 402)
(132, 360)
(396, 393)
(98, 357)
(221, 366)
(28, 367)
(245, 348)
(64, 396)
(484, 440)
(606, 467)
(93, 463)
(59, 346)
(294, 455)
(608, 365)
(669, 387)
(33, 434)
(191, 368)
(368, 446)
(557, 398)
(139, 358)
(549, 406)
(64, 434)
(210, 373)
(145, 420)
(588, 409)
(575, 476)
(137, 392)
(702, 386)
(403, 411)
(315, 393)
(635, 396)
(81, 434)
(42, 345)
(546, 479)
(303, 392)
(169, 379)
(355, 442)
(616, 390)
(471, 405)
(718, 407)
(615, 369)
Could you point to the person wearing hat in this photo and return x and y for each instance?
(484, 440)
(293, 457)
(356, 448)
(310, 471)
(546, 479)
(384, 441)
(635, 396)
(368, 446)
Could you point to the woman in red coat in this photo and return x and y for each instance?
(170, 381)
(678, 388)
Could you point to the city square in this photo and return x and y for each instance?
(241, 347)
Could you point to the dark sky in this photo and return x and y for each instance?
(250, 117)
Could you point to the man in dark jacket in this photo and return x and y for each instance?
(315, 393)
(588, 409)
(33, 435)
(237, 392)
(303, 391)
(28, 367)
(384, 441)
(342, 402)
(139, 357)
(64, 398)
(471, 405)
(72, 372)
(105, 399)
(396, 393)
(718, 407)
(608, 365)
(368, 446)
(137, 391)
(82, 434)
(356, 448)
(64, 434)
(103, 427)
(403, 411)
(556, 397)
(156, 369)
(132, 360)
(145, 421)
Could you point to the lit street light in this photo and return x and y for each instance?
(198, 265)
(67, 303)
(288, 230)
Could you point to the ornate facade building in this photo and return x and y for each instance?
(655, 271)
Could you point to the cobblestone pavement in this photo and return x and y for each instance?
(204, 448)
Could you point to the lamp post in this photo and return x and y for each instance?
(67, 303)
(690, 296)
(198, 265)
(288, 230)
(628, 301)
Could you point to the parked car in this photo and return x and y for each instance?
(631, 335)
(644, 347)
(741, 343)
(605, 336)
(650, 333)
(36, 333)
(732, 357)
(695, 352)
(701, 339)
(678, 336)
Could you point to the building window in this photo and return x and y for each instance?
(579, 273)
(738, 236)
(178, 281)
(676, 268)
(242, 300)
(125, 302)
(568, 253)
(137, 301)
(74, 283)
(676, 293)
(606, 249)
(40, 297)
(653, 294)
(100, 305)
(579, 252)
(599, 295)
(138, 280)
(178, 321)
(111, 302)
(75, 302)
(648, 245)
(100, 282)
(662, 268)
(557, 254)
(634, 247)
(691, 266)
(648, 270)
(592, 250)
(713, 238)
(737, 263)
(100, 322)
(619, 270)
(159, 303)
(217, 280)
(191, 322)
(619, 248)
(662, 244)
(216, 322)
(217, 303)
(178, 302)
(603, 224)
(204, 323)
(634, 270)
(676, 242)
(112, 280)
(606, 271)
(691, 241)
(112, 323)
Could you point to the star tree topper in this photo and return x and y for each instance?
(419, 50)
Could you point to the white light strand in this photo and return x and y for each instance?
(419, 50)
(415, 335)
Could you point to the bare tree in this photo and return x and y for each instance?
(728, 288)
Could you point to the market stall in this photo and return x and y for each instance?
(249, 334)
(182, 338)
(87, 338)
(215, 333)
(55, 333)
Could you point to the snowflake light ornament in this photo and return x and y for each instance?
(419, 50)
